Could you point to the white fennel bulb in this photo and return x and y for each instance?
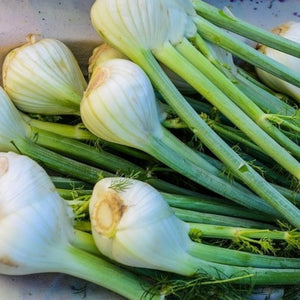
(12, 125)
(118, 92)
(132, 224)
(35, 224)
(291, 31)
(44, 77)
(101, 54)
(141, 24)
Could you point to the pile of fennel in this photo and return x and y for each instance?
(169, 159)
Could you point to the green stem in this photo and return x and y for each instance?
(85, 153)
(262, 97)
(293, 196)
(102, 159)
(83, 225)
(78, 131)
(160, 149)
(219, 37)
(235, 233)
(283, 121)
(188, 154)
(145, 58)
(70, 183)
(59, 163)
(70, 194)
(201, 203)
(171, 142)
(214, 254)
(244, 275)
(267, 172)
(209, 204)
(222, 130)
(262, 132)
(81, 264)
(191, 216)
(233, 135)
(240, 168)
(85, 242)
(234, 24)
(242, 259)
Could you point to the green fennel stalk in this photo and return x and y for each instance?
(219, 37)
(256, 133)
(233, 135)
(79, 132)
(227, 232)
(241, 27)
(216, 145)
(192, 216)
(262, 96)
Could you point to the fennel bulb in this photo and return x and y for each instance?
(43, 77)
(163, 15)
(12, 126)
(133, 225)
(36, 231)
(290, 31)
(116, 113)
(35, 223)
(101, 54)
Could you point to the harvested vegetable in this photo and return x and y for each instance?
(44, 77)
(290, 31)
(239, 141)
(101, 54)
(37, 232)
(132, 224)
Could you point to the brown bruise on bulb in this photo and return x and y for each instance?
(6, 260)
(281, 29)
(99, 76)
(3, 165)
(101, 54)
(261, 48)
(93, 59)
(107, 213)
